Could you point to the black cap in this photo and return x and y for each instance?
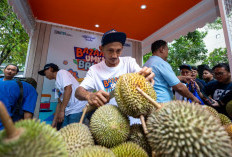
(113, 36)
(185, 66)
(47, 66)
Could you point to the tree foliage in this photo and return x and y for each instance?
(219, 55)
(13, 38)
(188, 49)
(217, 24)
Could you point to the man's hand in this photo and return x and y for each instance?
(99, 98)
(54, 122)
(185, 79)
(148, 74)
(60, 117)
(215, 103)
(196, 100)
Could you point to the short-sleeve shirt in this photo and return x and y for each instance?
(64, 79)
(164, 78)
(102, 77)
(10, 92)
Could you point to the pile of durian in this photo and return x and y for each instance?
(177, 129)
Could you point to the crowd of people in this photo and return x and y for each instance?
(214, 90)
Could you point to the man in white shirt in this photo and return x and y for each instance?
(70, 108)
(103, 76)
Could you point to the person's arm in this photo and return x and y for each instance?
(66, 98)
(97, 99)
(185, 79)
(27, 115)
(54, 122)
(183, 90)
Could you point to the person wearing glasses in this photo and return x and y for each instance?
(220, 89)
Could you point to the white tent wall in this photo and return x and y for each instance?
(39, 49)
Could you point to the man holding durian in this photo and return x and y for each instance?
(103, 76)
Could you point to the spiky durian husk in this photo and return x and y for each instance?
(229, 129)
(137, 136)
(212, 111)
(224, 119)
(129, 149)
(185, 129)
(37, 140)
(229, 108)
(109, 126)
(94, 151)
(76, 136)
(129, 100)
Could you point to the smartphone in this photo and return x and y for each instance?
(211, 102)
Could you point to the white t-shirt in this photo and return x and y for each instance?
(102, 77)
(63, 79)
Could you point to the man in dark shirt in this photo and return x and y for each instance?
(220, 89)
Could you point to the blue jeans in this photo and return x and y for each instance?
(72, 118)
(75, 118)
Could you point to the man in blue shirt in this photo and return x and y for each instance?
(10, 92)
(9, 72)
(165, 78)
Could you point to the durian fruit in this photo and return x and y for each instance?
(109, 126)
(94, 151)
(37, 140)
(184, 129)
(224, 119)
(229, 129)
(129, 100)
(76, 136)
(129, 149)
(212, 111)
(229, 108)
(137, 136)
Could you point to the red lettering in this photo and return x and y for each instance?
(86, 51)
(106, 84)
(79, 52)
(96, 53)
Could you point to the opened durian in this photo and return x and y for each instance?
(129, 149)
(109, 126)
(129, 100)
(184, 129)
(76, 136)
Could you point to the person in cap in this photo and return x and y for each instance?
(69, 110)
(165, 78)
(19, 101)
(103, 76)
(9, 72)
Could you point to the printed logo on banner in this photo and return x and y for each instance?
(110, 84)
(127, 45)
(85, 57)
(88, 37)
(62, 33)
